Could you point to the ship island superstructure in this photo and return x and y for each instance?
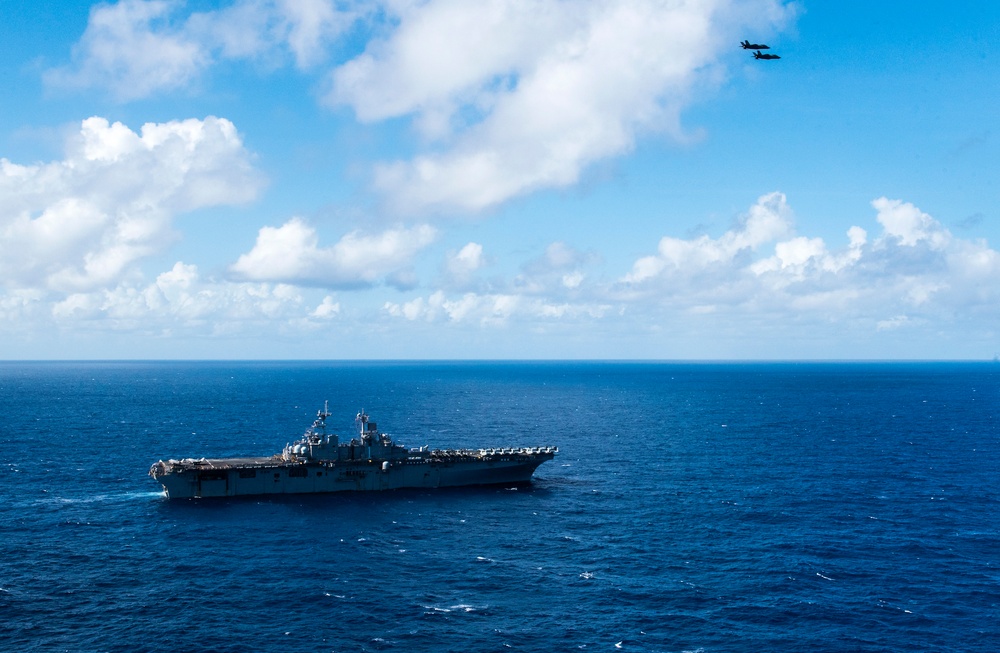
(319, 462)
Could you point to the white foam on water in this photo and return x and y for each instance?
(101, 498)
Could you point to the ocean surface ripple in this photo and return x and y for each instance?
(692, 507)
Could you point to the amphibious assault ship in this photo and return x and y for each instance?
(318, 462)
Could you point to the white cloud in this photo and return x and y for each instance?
(180, 301)
(557, 271)
(130, 48)
(892, 323)
(756, 287)
(254, 29)
(509, 96)
(573, 279)
(796, 255)
(758, 277)
(461, 268)
(758, 280)
(770, 218)
(136, 48)
(83, 222)
(307, 25)
(542, 292)
(20, 310)
(761, 268)
(909, 225)
(490, 310)
(290, 253)
(467, 260)
(327, 309)
(524, 95)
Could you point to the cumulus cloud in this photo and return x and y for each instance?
(83, 222)
(547, 290)
(915, 265)
(508, 96)
(178, 305)
(180, 301)
(461, 267)
(327, 309)
(559, 271)
(136, 48)
(758, 274)
(130, 49)
(909, 226)
(892, 323)
(757, 278)
(768, 219)
(467, 260)
(520, 96)
(291, 254)
(494, 309)
(254, 28)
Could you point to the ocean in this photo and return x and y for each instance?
(701, 507)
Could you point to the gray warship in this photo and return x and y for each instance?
(319, 462)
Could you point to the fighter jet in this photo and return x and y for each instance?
(747, 45)
(758, 55)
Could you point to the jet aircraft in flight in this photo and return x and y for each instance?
(747, 45)
(758, 55)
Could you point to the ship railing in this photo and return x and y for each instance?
(504, 451)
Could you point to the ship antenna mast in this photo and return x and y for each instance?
(319, 426)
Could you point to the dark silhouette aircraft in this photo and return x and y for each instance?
(758, 55)
(747, 45)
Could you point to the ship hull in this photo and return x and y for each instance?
(249, 477)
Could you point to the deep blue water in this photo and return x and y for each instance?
(692, 507)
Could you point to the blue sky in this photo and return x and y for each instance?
(543, 179)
